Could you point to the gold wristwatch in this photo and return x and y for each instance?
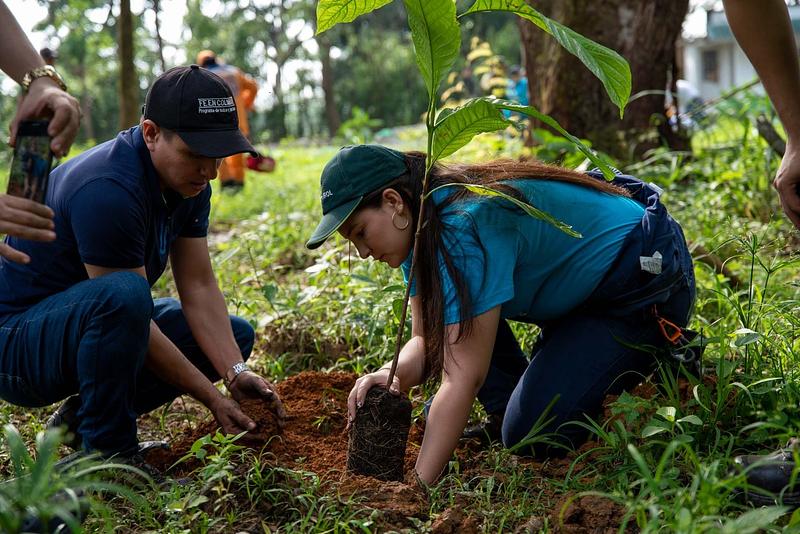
(38, 72)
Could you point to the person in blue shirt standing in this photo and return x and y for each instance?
(608, 302)
(78, 320)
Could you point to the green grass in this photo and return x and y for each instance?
(666, 459)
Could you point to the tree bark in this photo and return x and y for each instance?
(642, 31)
(331, 112)
(159, 40)
(128, 80)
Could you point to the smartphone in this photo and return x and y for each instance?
(30, 167)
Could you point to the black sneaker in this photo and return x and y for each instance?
(769, 476)
(487, 431)
(67, 416)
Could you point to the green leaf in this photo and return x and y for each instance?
(745, 336)
(609, 67)
(692, 420)
(756, 520)
(333, 12)
(531, 210)
(531, 111)
(437, 38)
(667, 412)
(652, 430)
(456, 127)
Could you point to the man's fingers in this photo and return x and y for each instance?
(13, 254)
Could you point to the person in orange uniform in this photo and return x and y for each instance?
(244, 89)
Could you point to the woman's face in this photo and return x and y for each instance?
(373, 232)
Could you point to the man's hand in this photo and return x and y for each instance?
(46, 99)
(248, 385)
(26, 219)
(230, 416)
(787, 182)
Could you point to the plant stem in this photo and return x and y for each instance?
(430, 123)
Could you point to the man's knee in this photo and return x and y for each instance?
(244, 334)
(126, 294)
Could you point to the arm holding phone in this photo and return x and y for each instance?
(21, 217)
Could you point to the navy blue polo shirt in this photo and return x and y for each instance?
(110, 211)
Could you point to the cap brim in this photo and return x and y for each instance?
(331, 222)
(217, 143)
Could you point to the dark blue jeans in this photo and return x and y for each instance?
(92, 339)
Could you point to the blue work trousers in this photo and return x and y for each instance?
(92, 339)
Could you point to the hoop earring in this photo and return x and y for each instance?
(394, 214)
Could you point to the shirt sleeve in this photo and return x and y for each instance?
(197, 223)
(109, 225)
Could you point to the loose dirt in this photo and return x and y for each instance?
(314, 439)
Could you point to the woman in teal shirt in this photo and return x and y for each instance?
(601, 300)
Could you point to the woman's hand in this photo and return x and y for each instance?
(248, 385)
(362, 387)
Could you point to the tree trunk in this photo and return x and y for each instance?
(128, 81)
(279, 115)
(159, 41)
(331, 112)
(87, 122)
(642, 31)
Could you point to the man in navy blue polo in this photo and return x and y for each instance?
(78, 321)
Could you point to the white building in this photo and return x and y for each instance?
(712, 60)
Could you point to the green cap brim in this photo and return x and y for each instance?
(331, 222)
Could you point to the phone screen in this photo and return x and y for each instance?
(30, 167)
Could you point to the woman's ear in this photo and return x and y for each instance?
(393, 199)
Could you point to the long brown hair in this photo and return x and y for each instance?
(499, 175)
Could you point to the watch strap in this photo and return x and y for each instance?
(41, 72)
(234, 371)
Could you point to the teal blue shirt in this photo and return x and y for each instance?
(530, 269)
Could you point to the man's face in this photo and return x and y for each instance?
(178, 167)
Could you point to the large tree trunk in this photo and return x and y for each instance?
(642, 31)
(159, 40)
(87, 123)
(331, 113)
(128, 81)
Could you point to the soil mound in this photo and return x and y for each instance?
(314, 439)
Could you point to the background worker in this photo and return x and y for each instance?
(244, 89)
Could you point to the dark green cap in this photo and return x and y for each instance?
(355, 171)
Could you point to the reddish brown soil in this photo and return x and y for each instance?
(588, 514)
(314, 439)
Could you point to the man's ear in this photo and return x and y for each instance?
(150, 133)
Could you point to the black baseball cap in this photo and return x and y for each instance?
(197, 105)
